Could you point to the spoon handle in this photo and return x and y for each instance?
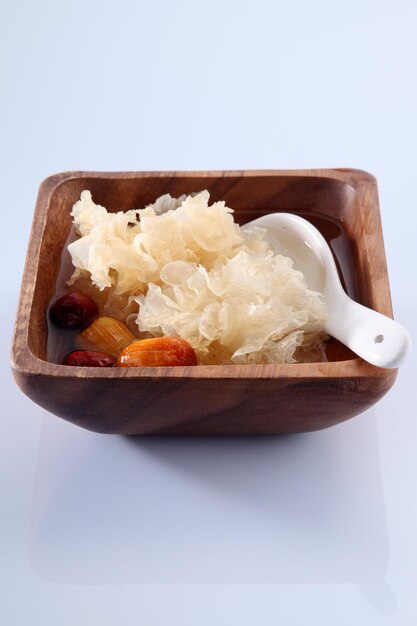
(376, 338)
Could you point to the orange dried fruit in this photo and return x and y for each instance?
(107, 334)
(157, 352)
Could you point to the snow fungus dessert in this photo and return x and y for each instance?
(179, 282)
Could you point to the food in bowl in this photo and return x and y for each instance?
(207, 399)
(183, 270)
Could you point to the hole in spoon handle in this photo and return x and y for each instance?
(376, 338)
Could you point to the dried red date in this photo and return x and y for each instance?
(74, 310)
(89, 358)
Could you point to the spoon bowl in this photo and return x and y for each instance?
(375, 337)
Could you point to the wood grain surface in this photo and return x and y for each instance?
(216, 399)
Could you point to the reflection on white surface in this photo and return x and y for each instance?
(294, 509)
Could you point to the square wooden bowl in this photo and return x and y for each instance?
(215, 399)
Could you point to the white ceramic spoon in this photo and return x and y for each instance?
(374, 337)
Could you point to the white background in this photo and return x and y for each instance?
(310, 529)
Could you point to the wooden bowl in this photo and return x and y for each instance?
(208, 399)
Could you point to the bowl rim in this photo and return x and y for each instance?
(23, 361)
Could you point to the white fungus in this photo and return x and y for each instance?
(181, 267)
